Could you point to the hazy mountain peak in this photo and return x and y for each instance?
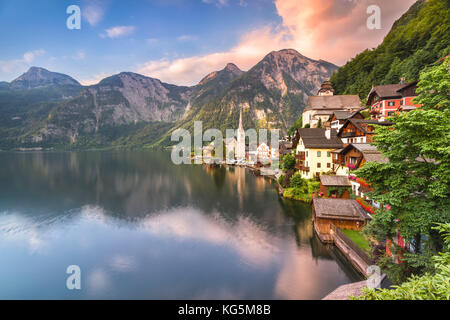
(227, 74)
(37, 77)
(233, 68)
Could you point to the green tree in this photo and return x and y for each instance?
(298, 182)
(297, 125)
(431, 286)
(288, 162)
(319, 123)
(415, 182)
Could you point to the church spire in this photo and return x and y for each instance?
(241, 127)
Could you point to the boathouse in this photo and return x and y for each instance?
(342, 213)
(335, 186)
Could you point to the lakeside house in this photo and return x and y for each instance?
(326, 103)
(356, 130)
(353, 157)
(386, 100)
(342, 213)
(313, 151)
(335, 186)
(338, 118)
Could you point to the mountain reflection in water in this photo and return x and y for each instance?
(140, 227)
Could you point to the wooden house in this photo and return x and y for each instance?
(354, 156)
(359, 130)
(335, 186)
(343, 213)
(338, 118)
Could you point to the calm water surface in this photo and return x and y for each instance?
(140, 227)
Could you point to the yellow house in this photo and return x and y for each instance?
(314, 151)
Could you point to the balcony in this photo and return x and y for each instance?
(348, 134)
(300, 156)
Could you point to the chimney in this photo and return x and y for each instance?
(328, 134)
(402, 80)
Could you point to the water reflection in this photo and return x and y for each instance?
(140, 227)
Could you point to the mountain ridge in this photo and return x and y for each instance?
(273, 93)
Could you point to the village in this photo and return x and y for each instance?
(317, 164)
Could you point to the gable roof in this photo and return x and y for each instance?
(369, 152)
(389, 90)
(314, 138)
(335, 181)
(338, 102)
(339, 209)
(362, 124)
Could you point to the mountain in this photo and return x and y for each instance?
(39, 77)
(272, 94)
(120, 100)
(418, 39)
(131, 109)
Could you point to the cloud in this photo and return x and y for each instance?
(332, 30)
(185, 38)
(95, 78)
(79, 55)
(29, 56)
(218, 3)
(152, 41)
(17, 65)
(118, 31)
(93, 12)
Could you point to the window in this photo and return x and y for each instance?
(306, 153)
(391, 104)
(328, 165)
(318, 165)
(319, 153)
(328, 154)
(391, 113)
(401, 102)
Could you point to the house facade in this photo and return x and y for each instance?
(357, 130)
(314, 151)
(353, 157)
(386, 100)
(338, 118)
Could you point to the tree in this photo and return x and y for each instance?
(415, 182)
(288, 162)
(298, 182)
(297, 125)
(430, 286)
(319, 123)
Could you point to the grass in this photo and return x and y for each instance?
(358, 238)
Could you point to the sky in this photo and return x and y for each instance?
(181, 41)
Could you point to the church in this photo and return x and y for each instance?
(322, 106)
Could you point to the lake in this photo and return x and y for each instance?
(140, 227)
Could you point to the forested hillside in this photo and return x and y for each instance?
(418, 39)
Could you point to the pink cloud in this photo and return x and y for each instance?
(332, 30)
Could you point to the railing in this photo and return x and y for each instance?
(348, 134)
(360, 252)
(300, 156)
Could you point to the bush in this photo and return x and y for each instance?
(288, 162)
(280, 179)
(298, 182)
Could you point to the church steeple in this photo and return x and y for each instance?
(241, 127)
(240, 152)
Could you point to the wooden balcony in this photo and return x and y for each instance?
(300, 156)
(348, 134)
